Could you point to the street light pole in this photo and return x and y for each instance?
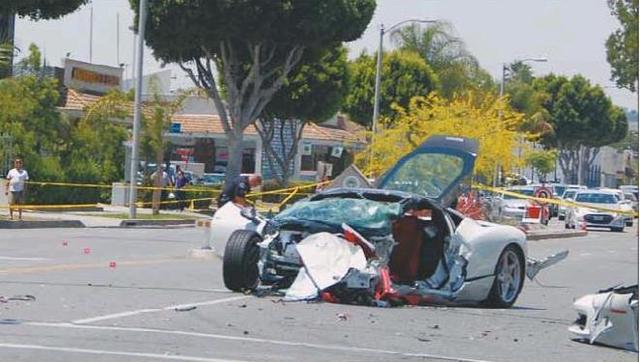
(137, 111)
(376, 95)
(376, 102)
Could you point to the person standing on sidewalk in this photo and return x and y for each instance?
(16, 184)
(181, 183)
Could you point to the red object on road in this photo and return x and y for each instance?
(112, 264)
(534, 212)
(86, 250)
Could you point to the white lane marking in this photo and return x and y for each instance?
(331, 347)
(154, 310)
(117, 353)
(22, 259)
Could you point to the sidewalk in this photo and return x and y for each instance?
(555, 230)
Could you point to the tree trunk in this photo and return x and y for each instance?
(588, 157)
(234, 163)
(247, 92)
(565, 164)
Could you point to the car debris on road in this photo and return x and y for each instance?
(609, 317)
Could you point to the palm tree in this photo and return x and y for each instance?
(457, 69)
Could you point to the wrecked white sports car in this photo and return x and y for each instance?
(396, 244)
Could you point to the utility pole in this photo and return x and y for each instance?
(117, 39)
(91, 36)
(137, 111)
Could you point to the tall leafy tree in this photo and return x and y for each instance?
(404, 75)
(622, 45)
(457, 69)
(542, 161)
(583, 119)
(254, 44)
(33, 9)
(524, 98)
(313, 93)
(29, 113)
(480, 115)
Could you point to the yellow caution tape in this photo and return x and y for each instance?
(287, 191)
(25, 206)
(288, 198)
(560, 202)
(124, 185)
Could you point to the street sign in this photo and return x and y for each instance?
(176, 127)
(544, 193)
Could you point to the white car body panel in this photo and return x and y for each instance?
(608, 318)
(486, 241)
(225, 221)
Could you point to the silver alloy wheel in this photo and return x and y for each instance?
(509, 276)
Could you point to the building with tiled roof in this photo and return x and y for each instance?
(197, 136)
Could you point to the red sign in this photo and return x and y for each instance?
(184, 152)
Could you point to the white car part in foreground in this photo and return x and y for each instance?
(228, 219)
(609, 317)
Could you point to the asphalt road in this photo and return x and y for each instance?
(87, 308)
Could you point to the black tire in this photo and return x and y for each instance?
(566, 226)
(495, 298)
(618, 230)
(560, 217)
(629, 223)
(240, 263)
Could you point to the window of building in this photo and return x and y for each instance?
(318, 153)
(249, 160)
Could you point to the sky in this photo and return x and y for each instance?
(569, 33)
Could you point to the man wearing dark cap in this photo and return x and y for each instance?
(237, 190)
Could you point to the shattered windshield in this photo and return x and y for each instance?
(426, 174)
(357, 213)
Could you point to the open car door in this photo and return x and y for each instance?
(433, 170)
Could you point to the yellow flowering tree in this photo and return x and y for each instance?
(483, 116)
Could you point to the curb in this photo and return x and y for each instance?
(66, 209)
(556, 235)
(167, 222)
(41, 224)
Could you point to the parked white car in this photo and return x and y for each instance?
(513, 207)
(626, 205)
(598, 208)
(568, 195)
(633, 199)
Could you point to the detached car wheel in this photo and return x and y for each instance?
(509, 278)
(240, 263)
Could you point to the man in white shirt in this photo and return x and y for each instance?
(16, 184)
